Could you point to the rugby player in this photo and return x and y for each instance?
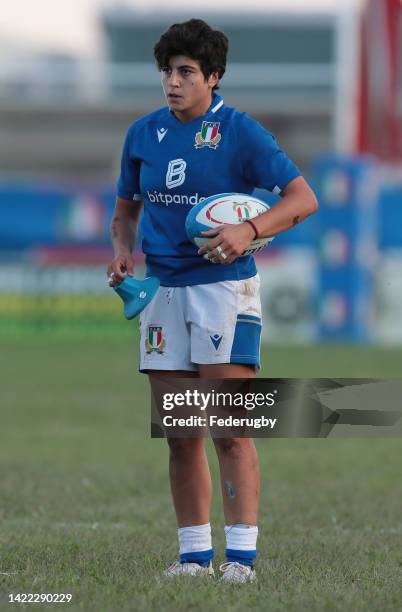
(205, 320)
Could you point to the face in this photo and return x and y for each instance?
(188, 93)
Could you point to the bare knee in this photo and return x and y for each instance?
(184, 449)
(231, 446)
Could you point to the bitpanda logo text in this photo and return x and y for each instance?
(175, 176)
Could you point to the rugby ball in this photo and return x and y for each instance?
(225, 208)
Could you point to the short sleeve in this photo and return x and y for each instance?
(264, 164)
(128, 185)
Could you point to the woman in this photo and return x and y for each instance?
(172, 158)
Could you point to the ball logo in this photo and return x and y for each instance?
(242, 211)
(176, 173)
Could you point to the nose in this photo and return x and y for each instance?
(175, 78)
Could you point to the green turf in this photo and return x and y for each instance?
(85, 505)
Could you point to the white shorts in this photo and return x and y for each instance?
(202, 324)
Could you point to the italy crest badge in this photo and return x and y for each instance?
(209, 135)
(155, 340)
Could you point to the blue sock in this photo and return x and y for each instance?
(196, 544)
(241, 543)
(245, 557)
(202, 557)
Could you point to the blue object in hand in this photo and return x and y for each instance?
(136, 294)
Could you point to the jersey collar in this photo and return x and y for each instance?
(217, 103)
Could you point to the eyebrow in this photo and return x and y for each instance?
(187, 66)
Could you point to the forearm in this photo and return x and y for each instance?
(123, 234)
(124, 226)
(297, 203)
(284, 215)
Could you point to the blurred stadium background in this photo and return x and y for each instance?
(84, 505)
(328, 85)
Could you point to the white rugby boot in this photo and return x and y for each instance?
(237, 573)
(188, 569)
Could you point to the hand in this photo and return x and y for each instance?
(121, 266)
(228, 243)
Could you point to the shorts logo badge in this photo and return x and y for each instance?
(155, 340)
(216, 340)
(242, 211)
(209, 135)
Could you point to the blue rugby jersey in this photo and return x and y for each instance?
(172, 166)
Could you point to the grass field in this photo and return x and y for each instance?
(85, 504)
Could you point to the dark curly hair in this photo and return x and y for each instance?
(195, 39)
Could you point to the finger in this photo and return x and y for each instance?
(210, 245)
(111, 279)
(230, 257)
(208, 259)
(219, 252)
(214, 231)
(121, 267)
(118, 271)
(130, 267)
(223, 252)
(218, 259)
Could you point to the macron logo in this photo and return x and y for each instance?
(161, 134)
(216, 340)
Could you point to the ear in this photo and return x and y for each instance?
(213, 79)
